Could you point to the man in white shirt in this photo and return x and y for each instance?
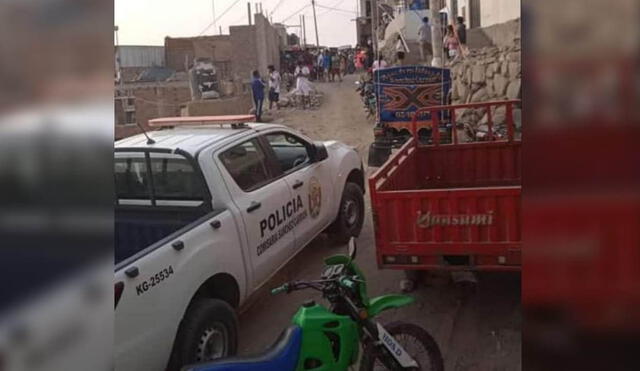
(303, 86)
(274, 86)
(319, 67)
(424, 39)
(379, 63)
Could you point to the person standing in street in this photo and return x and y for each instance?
(461, 31)
(359, 60)
(274, 86)
(257, 88)
(400, 51)
(379, 63)
(320, 66)
(451, 44)
(424, 40)
(326, 64)
(335, 67)
(369, 61)
(303, 86)
(343, 65)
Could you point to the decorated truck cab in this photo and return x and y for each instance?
(400, 93)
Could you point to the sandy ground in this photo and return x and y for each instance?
(476, 329)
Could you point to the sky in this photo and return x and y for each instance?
(147, 22)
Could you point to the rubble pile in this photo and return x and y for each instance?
(487, 74)
(292, 100)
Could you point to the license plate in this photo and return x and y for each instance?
(395, 348)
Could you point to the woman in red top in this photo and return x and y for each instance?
(451, 43)
(360, 59)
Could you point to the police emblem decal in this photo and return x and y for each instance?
(315, 197)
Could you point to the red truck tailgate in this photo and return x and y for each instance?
(449, 206)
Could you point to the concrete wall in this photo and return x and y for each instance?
(498, 11)
(267, 43)
(490, 11)
(244, 58)
(282, 33)
(238, 105)
(218, 48)
(254, 48)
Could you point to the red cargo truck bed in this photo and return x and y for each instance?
(450, 206)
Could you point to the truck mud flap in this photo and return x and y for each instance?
(378, 154)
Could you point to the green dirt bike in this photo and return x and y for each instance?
(336, 339)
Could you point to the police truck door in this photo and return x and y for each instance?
(265, 204)
(310, 183)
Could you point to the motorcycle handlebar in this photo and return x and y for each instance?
(298, 285)
(281, 289)
(344, 281)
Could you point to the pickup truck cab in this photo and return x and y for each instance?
(206, 212)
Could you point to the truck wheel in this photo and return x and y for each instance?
(411, 281)
(209, 330)
(350, 215)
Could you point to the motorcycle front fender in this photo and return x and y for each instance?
(381, 303)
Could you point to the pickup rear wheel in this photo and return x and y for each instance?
(350, 216)
(209, 330)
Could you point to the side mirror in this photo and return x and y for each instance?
(318, 152)
(352, 248)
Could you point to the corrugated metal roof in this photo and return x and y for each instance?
(141, 55)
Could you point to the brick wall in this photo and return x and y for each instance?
(152, 100)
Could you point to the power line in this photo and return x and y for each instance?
(219, 17)
(296, 12)
(275, 7)
(336, 9)
(339, 2)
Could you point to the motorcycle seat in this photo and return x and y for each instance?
(281, 356)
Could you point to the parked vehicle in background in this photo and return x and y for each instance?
(453, 206)
(401, 93)
(207, 210)
(365, 88)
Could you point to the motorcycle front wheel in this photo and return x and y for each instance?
(415, 340)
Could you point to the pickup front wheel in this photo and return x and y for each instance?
(209, 330)
(350, 216)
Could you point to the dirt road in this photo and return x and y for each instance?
(476, 329)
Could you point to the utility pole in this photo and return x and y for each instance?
(118, 61)
(300, 21)
(315, 22)
(304, 30)
(249, 12)
(213, 12)
(374, 28)
(436, 33)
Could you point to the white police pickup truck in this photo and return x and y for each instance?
(206, 212)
